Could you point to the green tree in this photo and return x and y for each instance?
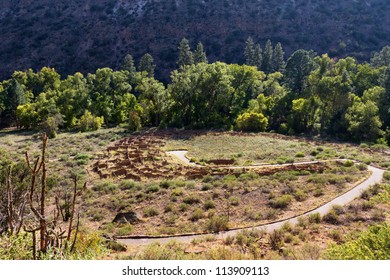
(251, 122)
(186, 57)
(128, 65)
(267, 66)
(73, 99)
(331, 82)
(384, 101)
(13, 95)
(278, 63)
(365, 78)
(298, 68)
(27, 116)
(111, 95)
(89, 122)
(363, 120)
(200, 93)
(302, 115)
(51, 125)
(154, 100)
(381, 58)
(147, 65)
(200, 55)
(258, 57)
(249, 52)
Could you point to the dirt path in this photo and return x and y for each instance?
(181, 155)
(376, 177)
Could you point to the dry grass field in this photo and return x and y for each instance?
(132, 173)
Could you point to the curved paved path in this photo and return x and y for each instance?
(376, 177)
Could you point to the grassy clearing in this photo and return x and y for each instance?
(272, 148)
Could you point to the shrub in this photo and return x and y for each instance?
(127, 184)
(386, 175)
(206, 187)
(106, 187)
(275, 239)
(209, 204)
(251, 122)
(192, 199)
(125, 230)
(372, 244)
(152, 189)
(300, 195)
(349, 163)
(197, 215)
(166, 184)
(183, 207)
(51, 125)
(89, 122)
(314, 218)
(300, 155)
(281, 202)
(169, 207)
(331, 218)
(234, 200)
(150, 212)
(362, 166)
(218, 223)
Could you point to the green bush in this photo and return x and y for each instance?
(218, 223)
(314, 218)
(127, 184)
(209, 204)
(300, 155)
(281, 202)
(251, 122)
(16, 247)
(152, 188)
(166, 184)
(331, 218)
(88, 122)
(372, 244)
(197, 215)
(126, 229)
(150, 212)
(192, 199)
(233, 200)
(386, 175)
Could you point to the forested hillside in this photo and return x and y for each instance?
(305, 94)
(73, 36)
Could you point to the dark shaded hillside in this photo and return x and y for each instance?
(73, 35)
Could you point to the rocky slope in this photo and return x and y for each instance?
(82, 35)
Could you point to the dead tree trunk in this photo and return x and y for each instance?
(40, 215)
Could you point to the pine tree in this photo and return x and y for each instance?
(200, 54)
(146, 65)
(186, 57)
(249, 51)
(278, 63)
(128, 64)
(258, 57)
(267, 59)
